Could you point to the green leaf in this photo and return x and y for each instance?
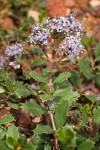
(33, 92)
(30, 146)
(67, 94)
(97, 53)
(91, 40)
(3, 145)
(47, 147)
(12, 105)
(96, 138)
(1, 90)
(40, 5)
(39, 61)
(45, 72)
(92, 98)
(87, 108)
(42, 15)
(86, 145)
(46, 97)
(59, 92)
(2, 134)
(11, 142)
(10, 85)
(97, 79)
(67, 97)
(36, 77)
(13, 132)
(61, 113)
(67, 134)
(80, 138)
(62, 77)
(8, 118)
(15, 87)
(96, 116)
(31, 20)
(87, 41)
(2, 75)
(21, 90)
(64, 146)
(85, 68)
(38, 141)
(75, 79)
(33, 107)
(84, 120)
(70, 96)
(43, 129)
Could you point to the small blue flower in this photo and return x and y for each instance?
(14, 50)
(72, 45)
(39, 35)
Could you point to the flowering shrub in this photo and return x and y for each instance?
(61, 120)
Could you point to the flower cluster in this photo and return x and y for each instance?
(59, 24)
(39, 35)
(2, 62)
(67, 25)
(46, 34)
(75, 26)
(71, 45)
(14, 50)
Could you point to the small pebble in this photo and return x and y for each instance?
(68, 11)
(89, 92)
(95, 90)
(7, 108)
(34, 14)
(36, 120)
(95, 3)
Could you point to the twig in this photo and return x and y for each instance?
(56, 145)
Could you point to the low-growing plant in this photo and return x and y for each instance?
(67, 119)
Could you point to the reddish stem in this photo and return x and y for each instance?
(56, 145)
(50, 87)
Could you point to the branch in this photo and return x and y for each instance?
(56, 145)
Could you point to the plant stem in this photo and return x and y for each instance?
(56, 145)
(50, 112)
